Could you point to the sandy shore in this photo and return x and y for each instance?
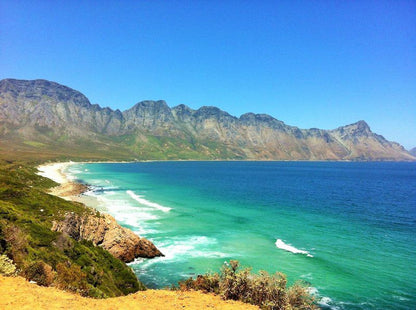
(17, 293)
(67, 189)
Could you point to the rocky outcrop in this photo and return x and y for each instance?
(40, 113)
(104, 231)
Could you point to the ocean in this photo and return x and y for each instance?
(348, 229)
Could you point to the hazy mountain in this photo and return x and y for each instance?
(44, 117)
(413, 151)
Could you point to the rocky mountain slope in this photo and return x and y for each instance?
(45, 117)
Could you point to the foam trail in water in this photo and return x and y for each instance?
(281, 245)
(182, 249)
(145, 202)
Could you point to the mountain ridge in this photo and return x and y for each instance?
(43, 115)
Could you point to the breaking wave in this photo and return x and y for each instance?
(281, 245)
(148, 203)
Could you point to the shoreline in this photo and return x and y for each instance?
(67, 189)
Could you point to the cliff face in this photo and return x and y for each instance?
(39, 114)
(104, 231)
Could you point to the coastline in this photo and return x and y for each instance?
(104, 230)
(67, 188)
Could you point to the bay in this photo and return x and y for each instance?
(346, 228)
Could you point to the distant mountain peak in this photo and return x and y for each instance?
(362, 126)
(41, 113)
(41, 90)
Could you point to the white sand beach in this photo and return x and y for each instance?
(67, 189)
(54, 171)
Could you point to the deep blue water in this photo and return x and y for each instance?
(354, 222)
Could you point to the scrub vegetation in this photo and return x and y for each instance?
(28, 245)
(263, 290)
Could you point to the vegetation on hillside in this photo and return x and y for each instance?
(263, 290)
(47, 257)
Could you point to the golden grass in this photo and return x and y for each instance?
(17, 293)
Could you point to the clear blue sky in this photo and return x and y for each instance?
(308, 63)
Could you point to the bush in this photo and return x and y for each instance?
(234, 284)
(208, 283)
(40, 272)
(7, 267)
(298, 296)
(70, 277)
(17, 240)
(264, 290)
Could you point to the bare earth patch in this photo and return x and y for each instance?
(17, 293)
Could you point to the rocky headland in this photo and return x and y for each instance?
(103, 230)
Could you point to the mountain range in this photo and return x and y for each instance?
(44, 118)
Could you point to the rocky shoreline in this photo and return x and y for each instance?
(100, 228)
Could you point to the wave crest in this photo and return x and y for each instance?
(148, 203)
(281, 245)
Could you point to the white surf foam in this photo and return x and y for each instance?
(148, 203)
(182, 249)
(281, 245)
(125, 212)
(326, 302)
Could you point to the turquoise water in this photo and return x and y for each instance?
(348, 229)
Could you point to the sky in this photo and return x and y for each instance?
(321, 64)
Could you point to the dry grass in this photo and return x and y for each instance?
(20, 294)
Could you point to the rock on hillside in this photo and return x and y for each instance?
(103, 230)
(40, 113)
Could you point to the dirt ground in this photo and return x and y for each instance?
(17, 293)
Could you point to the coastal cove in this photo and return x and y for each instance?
(346, 228)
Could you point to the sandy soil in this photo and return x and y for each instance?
(17, 293)
(66, 189)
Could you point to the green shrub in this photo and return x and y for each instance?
(40, 272)
(17, 240)
(7, 267)
(264, 290)
(70, 277)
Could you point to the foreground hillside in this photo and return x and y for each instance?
(27, 214)
(20, 294)
(50, 120)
